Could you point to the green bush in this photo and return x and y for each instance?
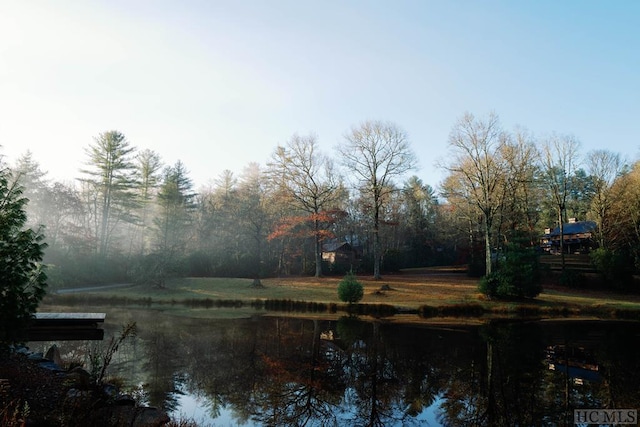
(489, 284)
(349, 289)
(517, 275)
(615, 267)
(572, 279)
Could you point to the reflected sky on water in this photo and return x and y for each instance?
(290, 371)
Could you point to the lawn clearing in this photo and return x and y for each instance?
(409, 292)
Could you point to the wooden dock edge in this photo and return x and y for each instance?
(66, 327)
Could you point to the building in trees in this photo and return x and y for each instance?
(578, 237)
(340, 255)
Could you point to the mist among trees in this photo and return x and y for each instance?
(132, 216)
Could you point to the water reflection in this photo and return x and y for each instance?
(282, 371)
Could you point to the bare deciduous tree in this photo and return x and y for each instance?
(604, 167)
(559, 163)
(478, 148)
(376, 152)
(463, 213)
(623, 216)
(522, 192)
(309, 182)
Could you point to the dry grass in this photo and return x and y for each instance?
(447, 289)
(407, 290)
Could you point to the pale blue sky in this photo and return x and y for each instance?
(218, 84)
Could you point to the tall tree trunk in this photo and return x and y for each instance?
(104, 225)
(472, 244)
(376, 244)
(318, 248)
(561, 222)
(257, 282)
(487, 245)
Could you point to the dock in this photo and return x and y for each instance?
(66, 327)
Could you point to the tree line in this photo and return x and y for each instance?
(130, 217)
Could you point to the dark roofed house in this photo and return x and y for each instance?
(339, 253)
(578, 237)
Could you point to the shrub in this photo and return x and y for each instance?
(615, 267)
(572, 279)
(100, 357)
(489, 284)
(349, 289)
(518, 275)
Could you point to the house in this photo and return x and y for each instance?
(578, 237)
(339, 253)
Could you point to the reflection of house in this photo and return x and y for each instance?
(576, 362)
(339, 253)
(327, 335)
(578, 237)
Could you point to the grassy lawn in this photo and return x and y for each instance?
(406, 290)
(438, 288)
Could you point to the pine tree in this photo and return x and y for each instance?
(22, 278)
(111, 177)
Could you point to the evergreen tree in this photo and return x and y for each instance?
(350, 289)
(22, 279)
(419, 214)
(148, 175)
(172, 224)
(110, 177)
(517, 275)
(35, 188)
(175, 200)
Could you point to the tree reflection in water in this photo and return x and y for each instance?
(297, 372)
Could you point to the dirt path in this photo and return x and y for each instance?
(91, 288)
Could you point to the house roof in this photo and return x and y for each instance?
(335, 246)
(574, 228)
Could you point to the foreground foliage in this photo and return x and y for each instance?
(22, 279)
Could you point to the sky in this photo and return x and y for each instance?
(220, 84)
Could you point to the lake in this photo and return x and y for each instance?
(290, 371)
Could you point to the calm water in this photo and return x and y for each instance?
(280, 371)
